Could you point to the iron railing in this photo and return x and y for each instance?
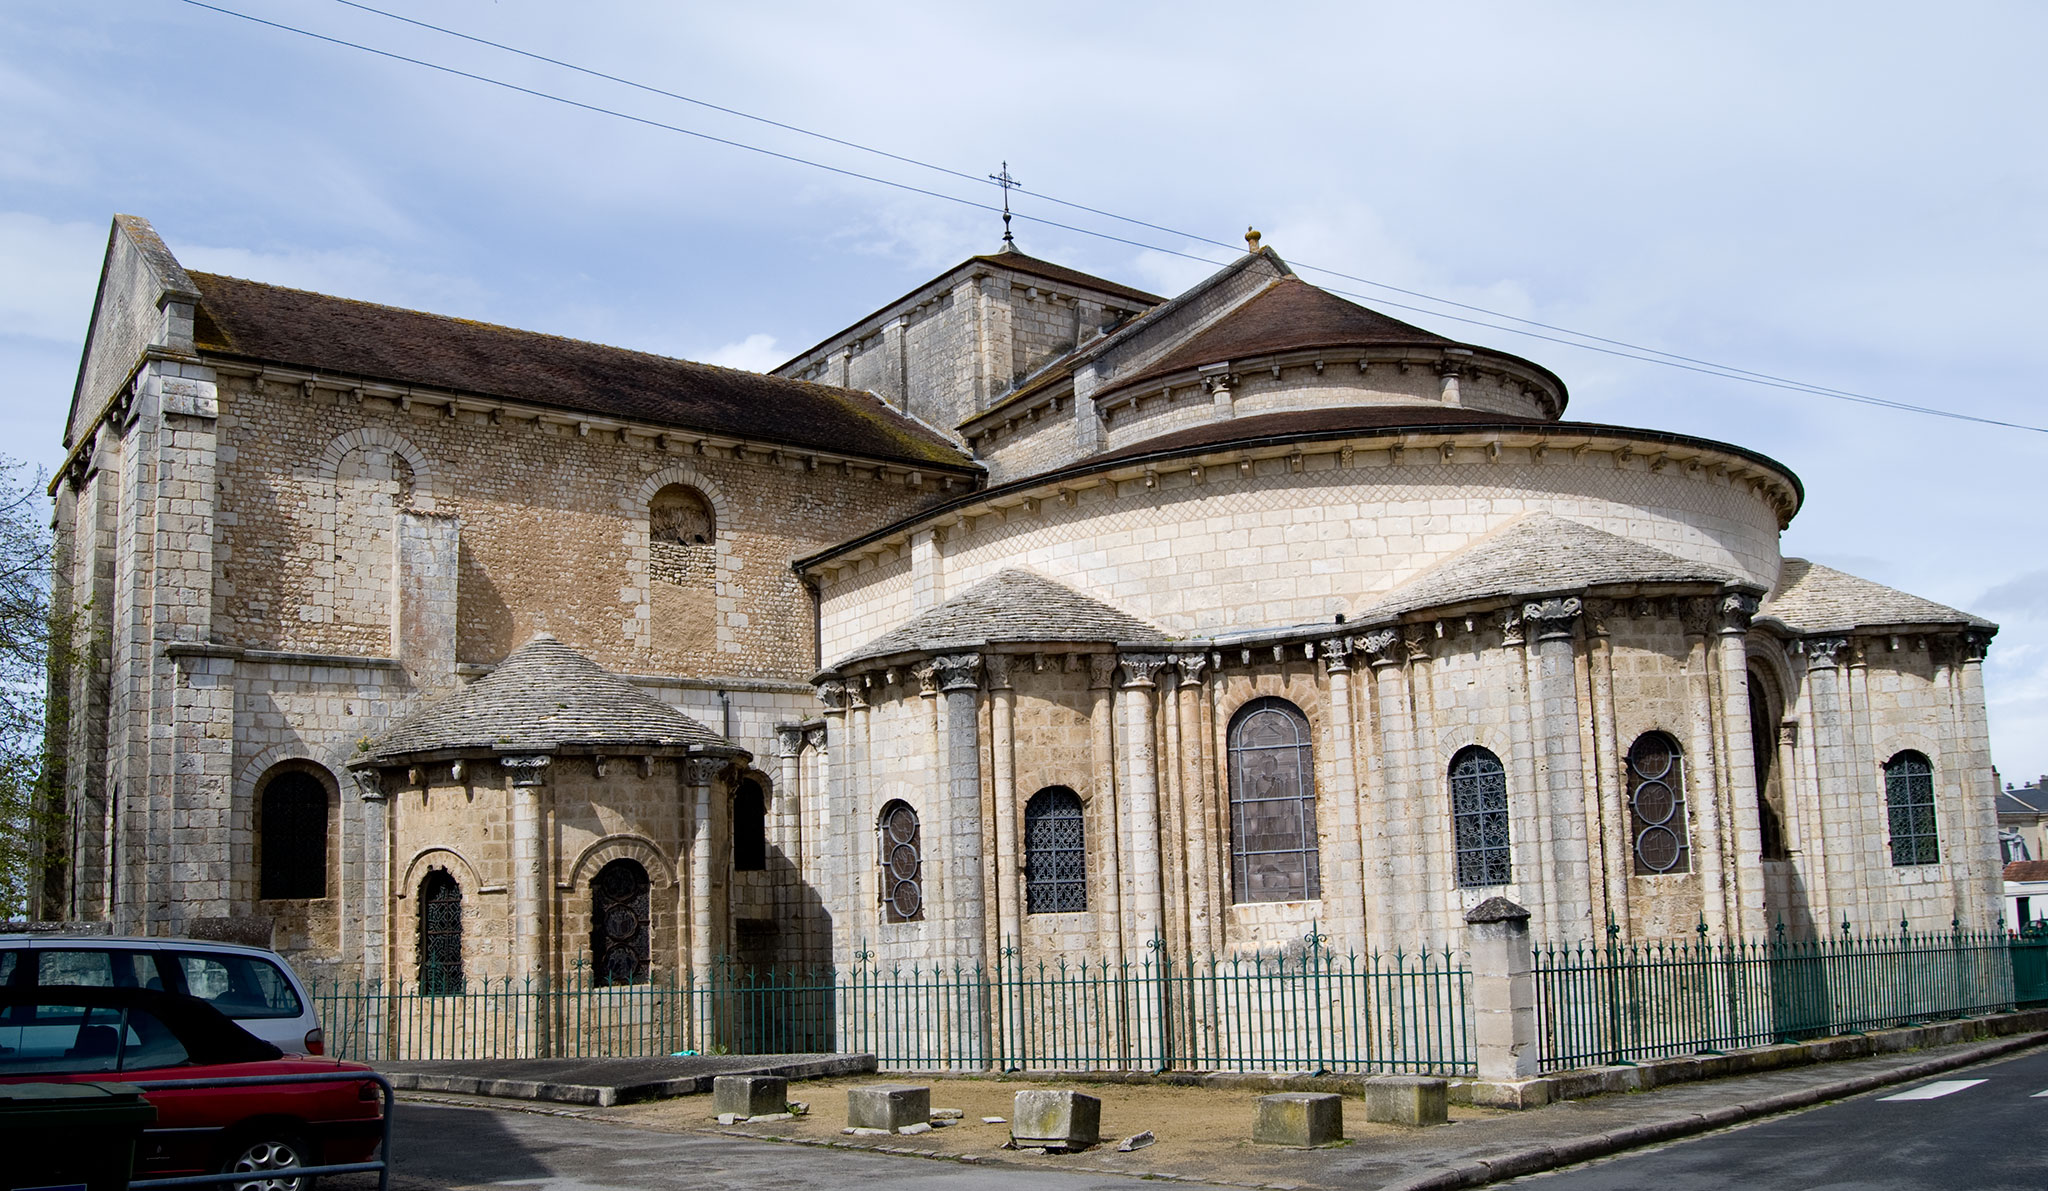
(1306, 1010)
(1621, 1002)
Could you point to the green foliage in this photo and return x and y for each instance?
(30, 778)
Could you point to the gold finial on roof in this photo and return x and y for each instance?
(1251, 239)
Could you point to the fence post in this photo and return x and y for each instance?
(1503, 990)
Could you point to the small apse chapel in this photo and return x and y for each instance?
(1030, 610)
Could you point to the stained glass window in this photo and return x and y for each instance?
(619, 934)
(1909, 804)
(1479, 817)
(292, 837)
(1656, 805)
(1055, 853)
(440, 934)
(902, 861)
(1273, 855)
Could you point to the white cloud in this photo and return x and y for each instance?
(755, 353)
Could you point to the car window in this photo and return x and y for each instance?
(71, 1039)
(239, 985)
(7, 966)
(97, 969)
(149, 1043)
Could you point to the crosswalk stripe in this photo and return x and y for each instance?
(1938, 1089)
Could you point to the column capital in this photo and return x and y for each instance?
(815, 736)
(1382, 647)
(857, 692)
(1337, 654)
(832, 693)
(1821, 651)
(702, 771)
(1701, 615)
(789, 739)
(1190, 667)
(369, 783)
(997, 667)
(959, 672)
(1738, 609)
(1140, 667)
(529, 769)
(1553, 618)
(927, 675)
(1101, 670)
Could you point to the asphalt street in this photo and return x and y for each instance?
(440, 1147)
(1981, 1128)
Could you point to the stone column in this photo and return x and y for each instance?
(1610, 789)
(1706, 767)
(957, 828)
(1738, 785)
(1392, 887)
(1839, 818)
(1197, 810)
(839, 852)
(1979, 811)
(1102, 749)
(1220, 383)
(1503, 991)
(1557, 699)
(527, 779)
(787, 818)
(1141, 793)
(1002, 699)
(376, 875)
(698, 773)
(1344, 881)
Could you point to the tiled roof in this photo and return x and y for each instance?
(385, 343)
(1811, 598)
(542, 698)
(1541, 554)
(1334, 419)
(2024, 800)
(2027, 870)
(1011, 605)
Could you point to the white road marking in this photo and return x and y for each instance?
(1938, 1089)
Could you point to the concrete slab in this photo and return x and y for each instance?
(605, 1082)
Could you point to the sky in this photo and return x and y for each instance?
(1852, 195)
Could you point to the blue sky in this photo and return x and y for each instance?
(1854, 195)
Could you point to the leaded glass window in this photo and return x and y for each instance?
(749, 828)
(619, 926)
(1479, 817)
(1055, 853)
(1273, 854)
(902, 857)
(440, 934)
(1656, 806)
(292, 839)
(1909, 804)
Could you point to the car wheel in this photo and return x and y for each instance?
(259, 1152)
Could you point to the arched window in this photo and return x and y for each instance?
(1656, 805)
(682, 536)
(1909, 804)
(902, 859)
(1055, 853)
(440, 934)
(291, 848)
(1272, 805)
(749, 827)
(1479, 817)
(1763, 745)
(618, 924)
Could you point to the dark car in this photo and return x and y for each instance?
(64, 1035)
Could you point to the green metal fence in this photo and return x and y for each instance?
(1312, 1010)
(1619, 1002)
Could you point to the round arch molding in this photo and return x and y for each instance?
(661, 872)
(426, 481)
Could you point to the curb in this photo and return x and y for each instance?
(1534, 1159)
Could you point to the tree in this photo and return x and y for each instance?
(31, 808)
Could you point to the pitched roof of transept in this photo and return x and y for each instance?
(274, 324)
(1541, 554)
(543, 698)
(1010, 606)
(1811, 598)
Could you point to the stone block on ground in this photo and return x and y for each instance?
(1301, 1119)
(888, 1106)
(1056, 1119)
(1407, 1100)
(749, 1095)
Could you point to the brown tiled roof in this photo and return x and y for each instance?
(1811, 598)
(385, 343)
(542, 698)
(2027, 870)
(1065, 276)
(1011, 605)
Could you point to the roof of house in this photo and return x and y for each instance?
(1811, 598)
(1541, 554)
(1292, 315)
(543, 698)
(2023, 800)
(274, 324)
(1010, 606)
(2027, 870)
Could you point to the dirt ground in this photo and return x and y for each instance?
(1203, 1133)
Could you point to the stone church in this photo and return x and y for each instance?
(1031, 614)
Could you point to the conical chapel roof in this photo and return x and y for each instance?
(544, 698)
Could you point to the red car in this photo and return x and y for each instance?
(130, 1035)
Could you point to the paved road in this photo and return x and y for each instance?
(1982, 1128)
(441, 1147)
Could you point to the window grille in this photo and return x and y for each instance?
(619, 942)
(902, 859)
(1479, 817)
(1273, 854)
(1909, 804)
(440, 934)
(292, 854)
(1055, 853)
(1656, 806)
(749, 828)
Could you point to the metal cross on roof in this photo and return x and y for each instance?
(1005, 181)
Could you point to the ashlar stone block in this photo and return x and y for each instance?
(888, 1106)
(1301, 1119)
(749, 1095)
(1043, 1117)
(1406, 1100)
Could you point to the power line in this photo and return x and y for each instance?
(1618, 348)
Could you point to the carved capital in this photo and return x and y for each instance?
(702, 771)
(1415, 641)
(1738, 609)
(1510, 625)
(1382, 647)
(815, 737)
(1140, 667)
(1336, 654)
(959, 672)
(527, 769)
(1553, 619)
(1190, 666)
(997, 667)
(832, 693)
(1101, 670)
(1699, 614)
(789, 740)
(1225, 381)
(1788, 733)
(369, 783)
(1973, 647)
(1821, 651)
(857, 693)
(927, 675)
